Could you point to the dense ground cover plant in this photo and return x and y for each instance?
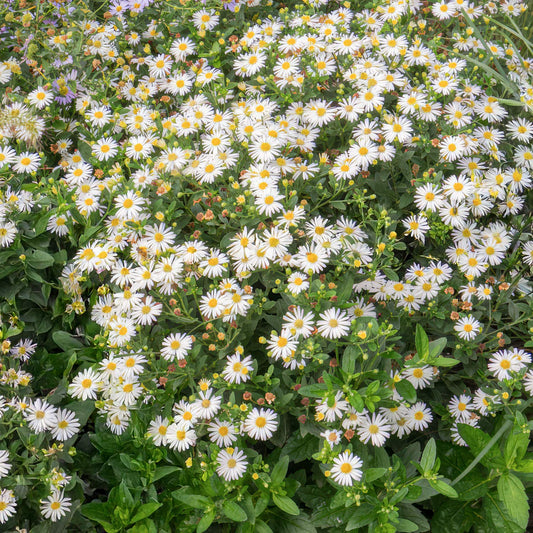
(266, 266)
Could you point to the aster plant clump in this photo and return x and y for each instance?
(266, 266)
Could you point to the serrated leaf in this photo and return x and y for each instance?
(497, 517)
(512, 493)
(526, 466)
(300, 448)
(453, 512)
(477, 440)
(515, 446)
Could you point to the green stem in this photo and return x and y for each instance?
(507, 424)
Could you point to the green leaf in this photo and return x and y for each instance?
(421, 342)
(445, 361)
(145, 511)
(362, 516)
(101, 513)
(262, 527)
(497, 517)
(525, 466)
(348, 359)
(42, 224)
(512, 493)
(413, 514)
(428, 456)
(82, 409)
(443, 488)
(197, 501)
(162, 471)
(66, 341)
(372, 474)
(292, 524)
(477, 441)
(234, 511)
(300, 448)
(390, 274)
(205, 522)
(435, 347)
(286, 504)
(399, 496)
(515, 446)
(372, 388)
(316, 390)
(356, 401)
(406, 390)
(144, 526)
(39, 259)
(85, 150)
(124, 497)
(345, 287)
(280, 470)
(453, 515)
(406, 526)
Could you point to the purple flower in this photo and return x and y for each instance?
(65, 94)
(230, 5)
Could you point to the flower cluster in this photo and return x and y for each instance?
(208, 213)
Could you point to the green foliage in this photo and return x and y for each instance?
(407, 390)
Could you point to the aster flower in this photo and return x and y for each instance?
(346, 469)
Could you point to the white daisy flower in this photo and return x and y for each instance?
(180, 437)
(502, 363)
(176, 346)
(237, 370)
(231, 464)
(467, 327)
(65, 425)
(334, 323)
(223, 434)
(461, 407)
(346, 469)
(158, 430)
(375, 429)
(260, 424)
(8, 505)
(419, 416)
(5, 465)
(207, 405)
